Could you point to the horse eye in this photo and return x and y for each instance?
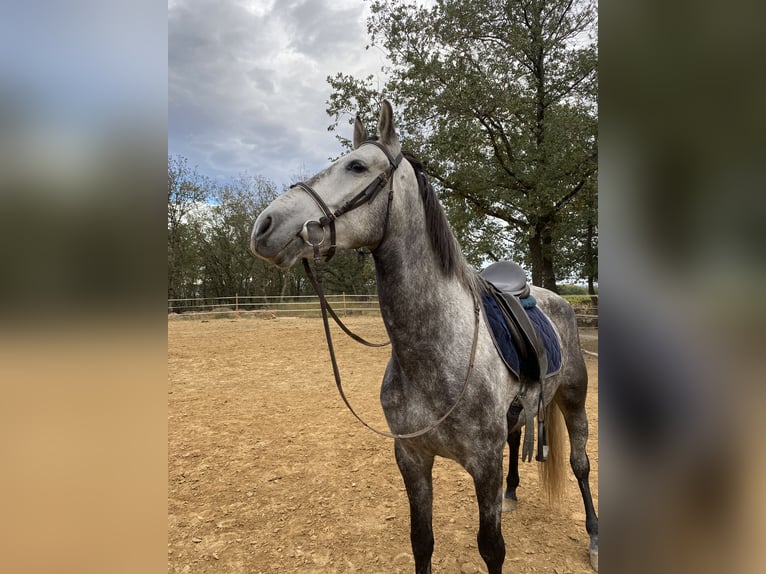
(356, 166)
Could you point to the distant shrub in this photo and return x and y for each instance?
(569, 289)
(576, 300)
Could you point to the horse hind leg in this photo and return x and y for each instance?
(512, 481)
(416, 470)
(572, 404)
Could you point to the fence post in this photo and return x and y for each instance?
(345, 310)
(236, 302)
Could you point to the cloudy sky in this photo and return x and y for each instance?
(247, 81)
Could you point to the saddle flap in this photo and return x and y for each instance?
(525, 336)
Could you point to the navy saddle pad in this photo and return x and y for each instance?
(502, 335)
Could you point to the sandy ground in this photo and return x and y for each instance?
(268, 472)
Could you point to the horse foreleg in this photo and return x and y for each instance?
(416, 470)
(512, 482)
(488, 481)
(577, 428)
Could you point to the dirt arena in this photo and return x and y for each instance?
(268, 472)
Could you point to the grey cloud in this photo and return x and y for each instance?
(247, 86)
(263, 78)
(320, 27)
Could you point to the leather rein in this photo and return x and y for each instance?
(310, 234)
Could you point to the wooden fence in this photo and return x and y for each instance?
(308, 306)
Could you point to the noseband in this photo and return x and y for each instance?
(310, 230)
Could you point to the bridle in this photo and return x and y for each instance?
(310, 234)
(309, 229)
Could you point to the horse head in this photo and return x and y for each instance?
(346, 205)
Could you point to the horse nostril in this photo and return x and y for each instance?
(262, 226)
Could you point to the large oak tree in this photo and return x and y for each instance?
(499, 99)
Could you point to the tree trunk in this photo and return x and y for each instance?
(541, 252)
(549, 275)
(542, 263)
(536, 256)
(590, 264)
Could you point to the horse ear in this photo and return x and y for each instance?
(360, 132)
(386, 130)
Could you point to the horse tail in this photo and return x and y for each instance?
(553, 471)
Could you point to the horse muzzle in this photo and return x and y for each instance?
(269, 241)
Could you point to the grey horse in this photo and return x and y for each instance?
(376, 199)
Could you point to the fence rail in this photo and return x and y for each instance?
(286, 306)
(308, 306)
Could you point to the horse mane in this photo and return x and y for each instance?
(443, 242)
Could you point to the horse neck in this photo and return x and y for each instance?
(425, 309)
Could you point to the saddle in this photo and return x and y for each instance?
(507, 277)
(506, 286)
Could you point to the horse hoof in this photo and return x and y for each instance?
(509, 505)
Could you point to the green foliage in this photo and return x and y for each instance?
(570, 289)
(350, 272)
(228, 266)
(583, 305)
(209, 225)
(498, 98)
(187, 192)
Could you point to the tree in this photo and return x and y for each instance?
(187, 191)
(577, 253)
(209, 226)
(499, 100)
(229, 267)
